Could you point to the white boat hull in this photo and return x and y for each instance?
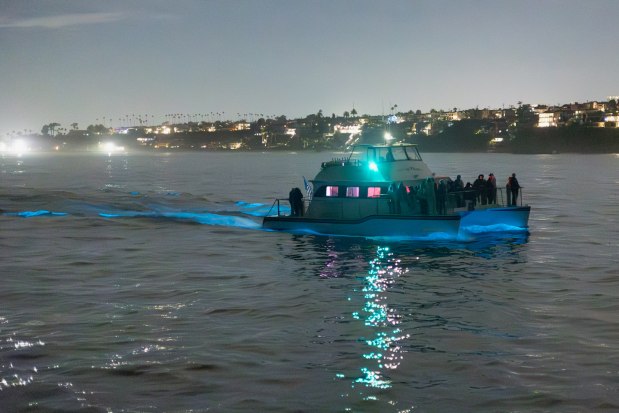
(372, 226)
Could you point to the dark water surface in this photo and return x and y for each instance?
(143, 283)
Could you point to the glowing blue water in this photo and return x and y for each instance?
(140, 283)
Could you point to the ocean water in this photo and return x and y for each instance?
(143, 283)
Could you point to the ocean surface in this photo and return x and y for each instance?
(144, 283)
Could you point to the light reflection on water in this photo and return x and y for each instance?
(399, 290)
(381, 322)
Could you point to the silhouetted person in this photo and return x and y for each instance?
(413, 200)
(295, 197)
(458, 187)
(430, 191)
(512, 190)
(441, 197)
(470, 194)
(392, 191)
(480, 186)
(491, 189)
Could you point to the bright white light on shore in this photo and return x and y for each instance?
(110, 147)
(17, 147)
(388, 136)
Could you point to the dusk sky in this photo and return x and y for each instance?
(81, 60)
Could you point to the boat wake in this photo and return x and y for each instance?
(38, 213)
(205, 218)
(483, 229)
(237, 214)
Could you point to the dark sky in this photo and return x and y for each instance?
(83, 61)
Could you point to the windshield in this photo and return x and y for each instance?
(385, 153)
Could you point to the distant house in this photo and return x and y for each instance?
(548, 119)
(554, 116)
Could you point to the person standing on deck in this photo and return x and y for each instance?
(491, 185)
(430, 189)
(402, 196)
(512, 190)
(480, 186)
(441, 198)
(458, 187)
(295, 197)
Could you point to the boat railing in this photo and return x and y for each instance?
(276, 206)
(472, 198)
(469, 199)
(340, 162)
(279, 210)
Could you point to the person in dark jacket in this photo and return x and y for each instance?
(491, 188)
(480, 186)
(458, 187)
(441, 198)
(512, 190)
(295, 197)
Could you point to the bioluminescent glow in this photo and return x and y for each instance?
(480, 229)
(39, 213)
(206, 218)
(258, 209)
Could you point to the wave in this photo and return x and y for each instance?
(258, 209)
(482, 229)
(205, 218)
(38, 213)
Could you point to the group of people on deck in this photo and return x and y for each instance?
(483, 191)
(426, 198)
(433, 198)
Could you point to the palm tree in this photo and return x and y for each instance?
(52, 128)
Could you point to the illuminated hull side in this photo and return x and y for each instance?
(371, 226)
(505, 217)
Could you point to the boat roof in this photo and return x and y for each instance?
(381, 146)
(368, 163)
(385, 145)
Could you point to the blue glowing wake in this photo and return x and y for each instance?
(231, 215)
(482, 229)
(205, 218)
(39, 213)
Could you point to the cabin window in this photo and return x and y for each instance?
(374, 192)
(332, 191)
(352, 192)
(399, 153)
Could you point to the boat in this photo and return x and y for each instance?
(368, 194)
(389, 191)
